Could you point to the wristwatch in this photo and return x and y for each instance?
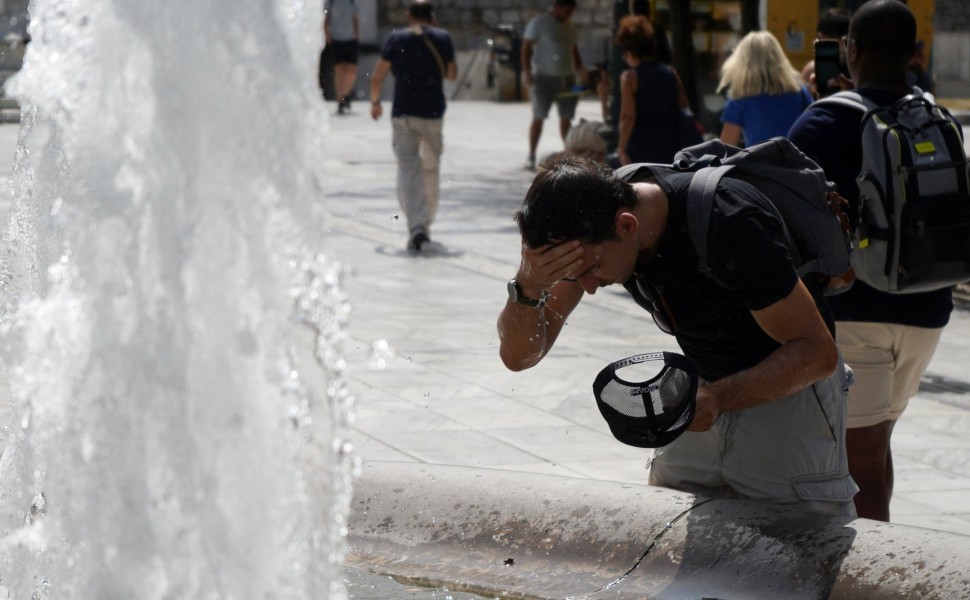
(516, 295)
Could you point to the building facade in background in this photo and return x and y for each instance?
(944, 24)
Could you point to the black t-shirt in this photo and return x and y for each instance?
(748, 256)
(418, 76)
(831, 135)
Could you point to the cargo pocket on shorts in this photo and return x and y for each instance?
(827, 487)
(831, 395)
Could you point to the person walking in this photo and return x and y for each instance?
(421, 57)
(764, 92)
(651, 97)
(769, 422)
(551, 64)
(887, 339)
(341, 31)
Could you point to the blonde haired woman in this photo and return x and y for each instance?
(764, 92)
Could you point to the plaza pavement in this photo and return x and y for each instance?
(422, 346)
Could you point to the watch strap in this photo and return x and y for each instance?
(521, 298)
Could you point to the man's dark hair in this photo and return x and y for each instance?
(886, 33)
(834, 23)
(421, 10)
(566, 3)
(573, 198)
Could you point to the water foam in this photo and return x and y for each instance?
(172, 333)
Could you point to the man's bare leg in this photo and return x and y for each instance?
(871, 466)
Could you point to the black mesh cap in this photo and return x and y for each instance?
(651, 413)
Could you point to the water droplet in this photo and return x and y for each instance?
(381, 354)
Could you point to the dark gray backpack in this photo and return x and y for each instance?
(914, 218)
(817, 229)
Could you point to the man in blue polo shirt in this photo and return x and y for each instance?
(420, 57)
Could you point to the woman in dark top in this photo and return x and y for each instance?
(651, 97)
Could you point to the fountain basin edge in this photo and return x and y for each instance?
(519, 535)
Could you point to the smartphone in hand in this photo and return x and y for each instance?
(827, 66)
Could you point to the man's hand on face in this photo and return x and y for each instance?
(542, 267)
(707, 410)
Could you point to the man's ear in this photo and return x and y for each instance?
(626, 223)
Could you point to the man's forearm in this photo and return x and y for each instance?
(523, 335)
(527, 333)
(806, 354)
(792, 367)
(375, 90)
(526, 57)
(577, 60)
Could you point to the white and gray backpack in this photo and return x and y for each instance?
(913, 233)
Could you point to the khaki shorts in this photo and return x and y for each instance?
(789, 451)
(888, 361)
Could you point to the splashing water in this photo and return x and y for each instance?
(172, 338)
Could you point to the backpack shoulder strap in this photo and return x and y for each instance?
(634, 172)
(700, 204)
(850, 99)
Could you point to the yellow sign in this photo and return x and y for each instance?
(793, 24)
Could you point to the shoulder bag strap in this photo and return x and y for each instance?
(434, 51)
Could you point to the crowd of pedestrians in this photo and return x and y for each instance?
(800, 392)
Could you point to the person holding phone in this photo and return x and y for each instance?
(764, 93)
(887, 339)
(833, 25)
(827, 67)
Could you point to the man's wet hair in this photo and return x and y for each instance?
(834, 23)
(573, 198)
(885, 31)
(422, 10)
